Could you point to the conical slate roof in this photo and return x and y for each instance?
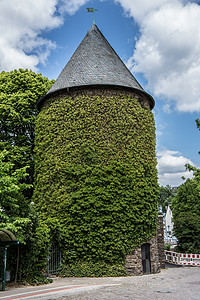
(95, 63)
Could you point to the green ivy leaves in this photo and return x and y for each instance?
(96, 174)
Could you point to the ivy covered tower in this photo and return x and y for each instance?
(96, 179)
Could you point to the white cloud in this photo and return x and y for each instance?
(71, 6)
(167, 51)
(140, 8)
(21, 23)
(21, 26)
(159, 130)
(171, 167)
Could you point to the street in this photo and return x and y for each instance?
(176, 283)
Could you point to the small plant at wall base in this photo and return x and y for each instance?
(96, 176)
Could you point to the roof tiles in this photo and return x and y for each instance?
(95, 62)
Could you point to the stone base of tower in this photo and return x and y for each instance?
(149, 258)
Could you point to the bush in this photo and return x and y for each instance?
(167, 247)
(186, 217)
(93, 269)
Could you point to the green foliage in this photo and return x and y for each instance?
(186, 212)
(186, 217)
(198, 123)
(20, 217)
(34, 240)
(167, 247)
(33, 254)
(96, 176)
(11, 188)
(37, 279)
(93, 269)
(196, 171)
(166, 196)
(19, 92)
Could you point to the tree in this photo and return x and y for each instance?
(196, 171)
(186, 217)
(186, 212)
(18, 215)
(198, 123)
(19, 92)
(166, 196)
(11, 189)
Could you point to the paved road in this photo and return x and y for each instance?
(177, 283)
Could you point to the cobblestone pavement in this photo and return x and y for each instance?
(174, 283)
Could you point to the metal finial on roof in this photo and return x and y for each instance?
(91, 9)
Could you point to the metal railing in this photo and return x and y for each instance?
(182, 259)
(54, 260)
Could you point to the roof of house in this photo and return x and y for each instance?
(95, 63)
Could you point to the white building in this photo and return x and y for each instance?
(168, 222)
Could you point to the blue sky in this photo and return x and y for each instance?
(159, 40)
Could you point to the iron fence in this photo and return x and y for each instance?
(54, 260)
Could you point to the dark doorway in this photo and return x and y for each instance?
(146, 258)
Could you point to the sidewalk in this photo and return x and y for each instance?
(174, 283)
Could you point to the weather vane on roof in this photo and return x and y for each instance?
(91, 9)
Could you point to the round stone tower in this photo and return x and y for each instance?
(96, 180)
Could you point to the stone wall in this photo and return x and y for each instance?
(160, 241)
(134, 260)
